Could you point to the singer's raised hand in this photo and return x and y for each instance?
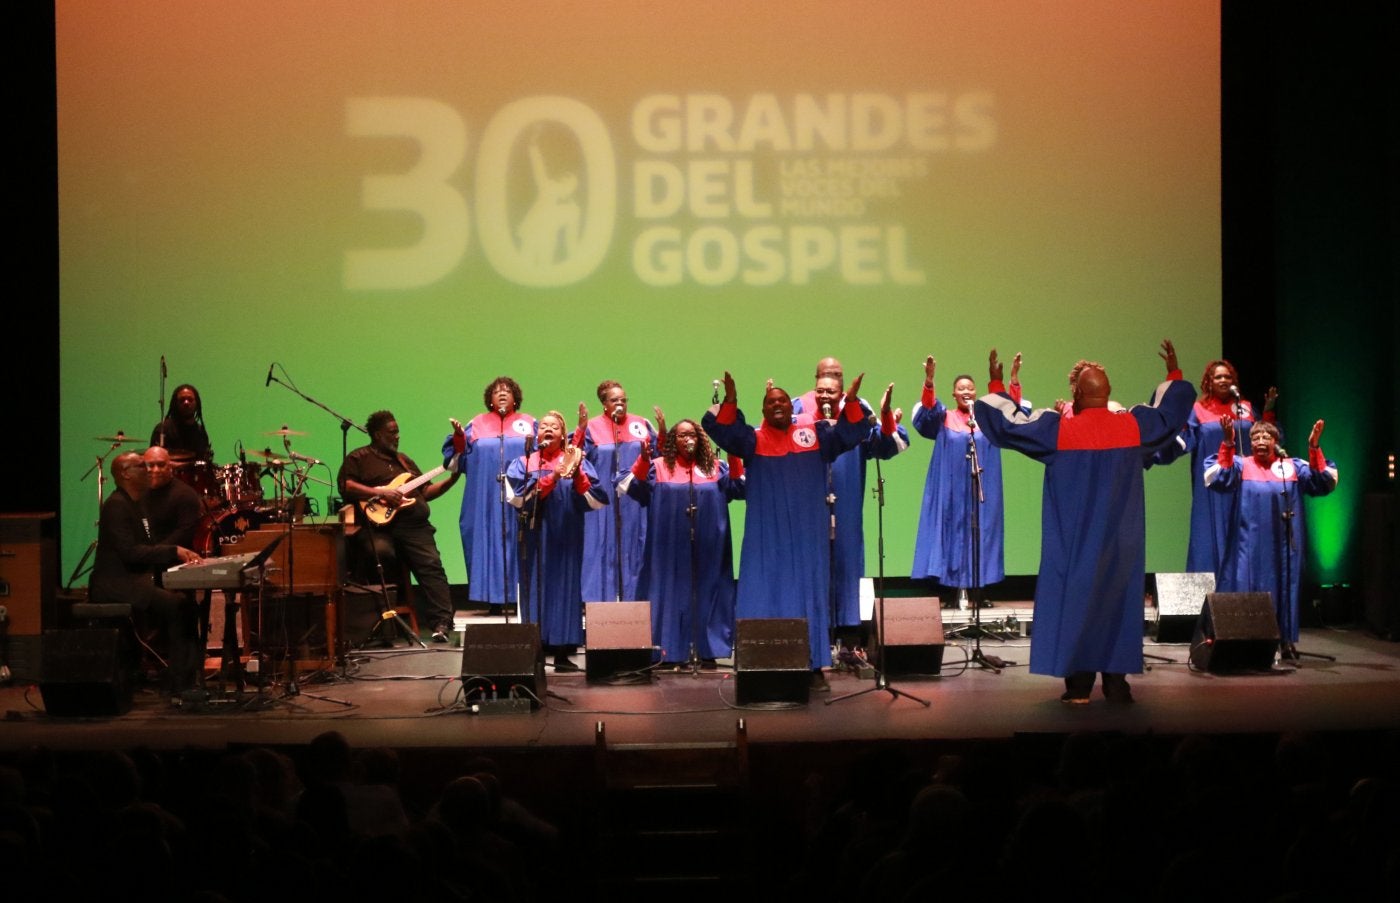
(1270, 398)
(993, 367)
(929, 365)
(660, 421)
(582, 415)
(885, 401)
(853, 393)
(730, 397)
(1168, 354)
(1315, 437)
(1227, 425)
(459, 436)
(1016, 369)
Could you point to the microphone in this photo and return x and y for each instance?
(617, 413)
(715, 400)
(1235, 392)
(305, 459)
(242, 454)
(826, 410)
(501, 409)
(268, 381)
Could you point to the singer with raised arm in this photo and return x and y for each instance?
(846, 474)
(1213, 514)
(393, 495)
(943, 549)
(482, 450)
(128, 559)
(613, 539)
(1088, 595)
(1264, 552)
(785, 564)
(552, 488)
(688, 572)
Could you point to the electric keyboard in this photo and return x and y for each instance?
(222, 572)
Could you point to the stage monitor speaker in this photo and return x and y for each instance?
(912, 639)
(771, 660)
(87, 671)
(503, 660)
(1236, 632)
(618, 638)
(1180, 597)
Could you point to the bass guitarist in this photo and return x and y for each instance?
(376, 477)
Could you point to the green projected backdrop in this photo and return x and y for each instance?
(396, 203)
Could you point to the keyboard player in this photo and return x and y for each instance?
(128, 558)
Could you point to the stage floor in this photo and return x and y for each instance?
(410, 697)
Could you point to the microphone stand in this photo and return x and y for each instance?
(692, 660)
(979, 658)
(882, 680)
(616, 499)
(505, 517)
(1288, 651)
(100, 466)
(160, 403)
(525, 526)
(345, 422)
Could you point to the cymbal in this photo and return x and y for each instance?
(119, 437)
(268, 456)
(285, 432)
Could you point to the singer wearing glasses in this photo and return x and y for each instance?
(1213, 513)
(482, 451)
(613, 538)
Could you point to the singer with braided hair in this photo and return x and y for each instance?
(687, 488)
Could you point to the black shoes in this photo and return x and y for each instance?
(442, 632)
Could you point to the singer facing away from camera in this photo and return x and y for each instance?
(1088, 594)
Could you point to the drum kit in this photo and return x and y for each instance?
(233, 494)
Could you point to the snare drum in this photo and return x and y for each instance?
(201, 475)
(239, 486)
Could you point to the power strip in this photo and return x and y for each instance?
(519, 706)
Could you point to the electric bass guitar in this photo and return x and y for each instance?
(381, 510)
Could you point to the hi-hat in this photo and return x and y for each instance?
(285, 432)
(119, 437)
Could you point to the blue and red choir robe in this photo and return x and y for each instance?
(943, 546)
(666, 493)
(492, 444)
(1212, 513)
(785, 563)
(1088, 595)
(1258, 555)
(612, 448)
(553, 553)
(847, 483)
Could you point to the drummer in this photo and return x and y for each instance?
(182, 431)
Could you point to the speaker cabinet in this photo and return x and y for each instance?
(1236, 632)
(909, 636)
(771, 660)
(28, 578)
(87, 672)
(618, 638)
(499, 659)
(1180, 597)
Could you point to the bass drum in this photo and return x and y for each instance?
(202, 476)
(239, 486)
(221, 529)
